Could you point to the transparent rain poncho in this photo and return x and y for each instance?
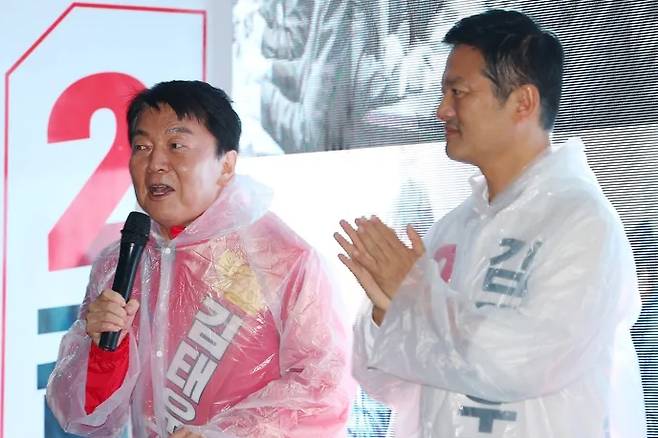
(236, 334)
(516, 321)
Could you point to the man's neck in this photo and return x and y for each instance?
(508, 167)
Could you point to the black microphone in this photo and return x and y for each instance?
(134, 236)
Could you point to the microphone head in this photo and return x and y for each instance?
(136, 229)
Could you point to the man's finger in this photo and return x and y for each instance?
(102, 326)
(417, 244)
(185, 433)
(180, 433)
(112, 308)
(356, 269)
(112, 296)
(102, 315)
(367, 282)
(372, 241)
(361, 256)
(108, 327)
(132, 307)
(97, 319)
(388, 235)
(349, 248)
(352, 234)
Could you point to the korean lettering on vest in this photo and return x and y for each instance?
(512, 283)
(196, 360)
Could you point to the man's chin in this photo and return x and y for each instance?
(452, 150)
(164, 220)
(457, 153)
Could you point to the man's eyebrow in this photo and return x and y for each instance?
(452, 81)
(178, 130)
(141, 132)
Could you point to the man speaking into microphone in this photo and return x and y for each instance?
(230, 330)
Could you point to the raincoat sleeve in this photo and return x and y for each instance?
(581, 294)
(66, 387)
(384, 387)
(313, 395)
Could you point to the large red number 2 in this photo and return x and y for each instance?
(81, 232)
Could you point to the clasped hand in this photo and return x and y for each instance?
(378, 259)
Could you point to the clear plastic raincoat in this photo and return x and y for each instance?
(515, 323)
(236, 334)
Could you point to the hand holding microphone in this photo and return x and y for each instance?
(109, 316)
(110, 313)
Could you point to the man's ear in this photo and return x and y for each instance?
(527, 102)
(227, 163)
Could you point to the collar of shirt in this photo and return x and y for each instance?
(176, 230)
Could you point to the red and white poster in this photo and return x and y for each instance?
(66, 188)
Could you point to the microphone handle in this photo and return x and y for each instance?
(124, 278)
(109, 340)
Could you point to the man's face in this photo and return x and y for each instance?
(476, 122)
(174, 167)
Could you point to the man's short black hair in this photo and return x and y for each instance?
(516, 52)
(192, 99)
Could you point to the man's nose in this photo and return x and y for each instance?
(158, 160)
(445, 111)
